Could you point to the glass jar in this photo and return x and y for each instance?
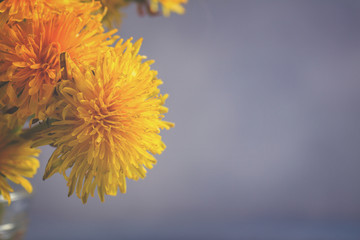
(14, 217)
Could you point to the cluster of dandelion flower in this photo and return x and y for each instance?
(97, 104)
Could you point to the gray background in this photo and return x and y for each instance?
(265, 96)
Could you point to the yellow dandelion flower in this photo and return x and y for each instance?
(17, 159)
(30, 50)
(109, 126)
(168, 6)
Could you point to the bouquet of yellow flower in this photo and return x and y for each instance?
(82, 90)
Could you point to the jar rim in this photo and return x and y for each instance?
(15, 196)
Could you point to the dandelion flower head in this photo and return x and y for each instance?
(17, 159)
(30, 50)
(109, 127)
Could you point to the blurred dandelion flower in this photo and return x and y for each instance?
(113, 11)
(17, 159)
(109, 125)
(168, 6)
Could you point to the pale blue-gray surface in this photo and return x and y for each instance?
(265, 96)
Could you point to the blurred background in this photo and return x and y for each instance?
(265, 96)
